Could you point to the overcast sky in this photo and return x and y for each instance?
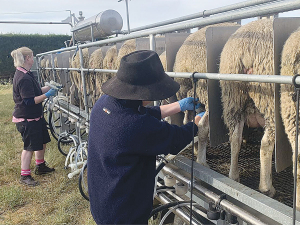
(141, 12)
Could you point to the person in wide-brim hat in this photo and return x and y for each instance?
(141, 77)
(125, 137)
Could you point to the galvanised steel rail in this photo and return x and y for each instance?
(184, 216)
(204, 13)
(278, 216)
(265, 9)
(34, 22)
(225, 204)
(278, 79)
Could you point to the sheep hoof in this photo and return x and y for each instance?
(270, 192)
(237, 179)
(234, 177)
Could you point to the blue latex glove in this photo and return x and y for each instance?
(51, 92)
(188, 104)
(201, 114)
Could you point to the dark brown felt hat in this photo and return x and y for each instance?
(141, 77)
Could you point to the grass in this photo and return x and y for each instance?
(55, 201)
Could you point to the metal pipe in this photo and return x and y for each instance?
(127, 11)
(52, 69)
(153, 48)
(226, 205)
(152, 42)
(38, 61)
(73, 39)
(238, 77)
(296, 157)
(85, 70)
(204, 13)
(92, 35)
(67, 111)
(271, 8)
(279, 79)
(202, 212)
(34, 22)
(71, 18)
(83, 80)
(165, 200)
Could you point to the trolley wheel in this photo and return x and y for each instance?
(83, 185)
(64, 144)
(54, 121)
(45, 111)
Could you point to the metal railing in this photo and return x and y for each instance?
(272, 7)
(204, 13)
(265, 9)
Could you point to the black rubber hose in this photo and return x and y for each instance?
(161, 165)
(63, 140)
(166, 206)
(164, 187)
(80, 180)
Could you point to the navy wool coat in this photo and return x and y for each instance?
(124, 139)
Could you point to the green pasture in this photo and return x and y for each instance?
(55, 201)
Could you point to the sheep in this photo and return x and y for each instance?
(97, 61)
(57, 72)
(94, 86)
(43, 72)
(127, 47)
(290, 65)
(63, 60)
(250, 50)
(76, 76)
(163, 59)
(73, 89)
(109, 62)
(45, 63)
(191, 57)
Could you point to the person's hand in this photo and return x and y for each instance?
(188, 104)
(51, 92)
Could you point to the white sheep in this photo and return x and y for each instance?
(192, 57)
(95, 80)
(126, 48)
(76, 75)
(290, 65)
(250, 51)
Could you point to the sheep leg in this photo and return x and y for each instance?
(236, 141)
(203, 130)
(188, 116)
(72, 95)
(293, 144)
(298, 187)
(266, 151)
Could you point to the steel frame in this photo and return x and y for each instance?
(259, 208)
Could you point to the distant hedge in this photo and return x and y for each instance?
(38, 43)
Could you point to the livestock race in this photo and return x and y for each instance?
(193, 120)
